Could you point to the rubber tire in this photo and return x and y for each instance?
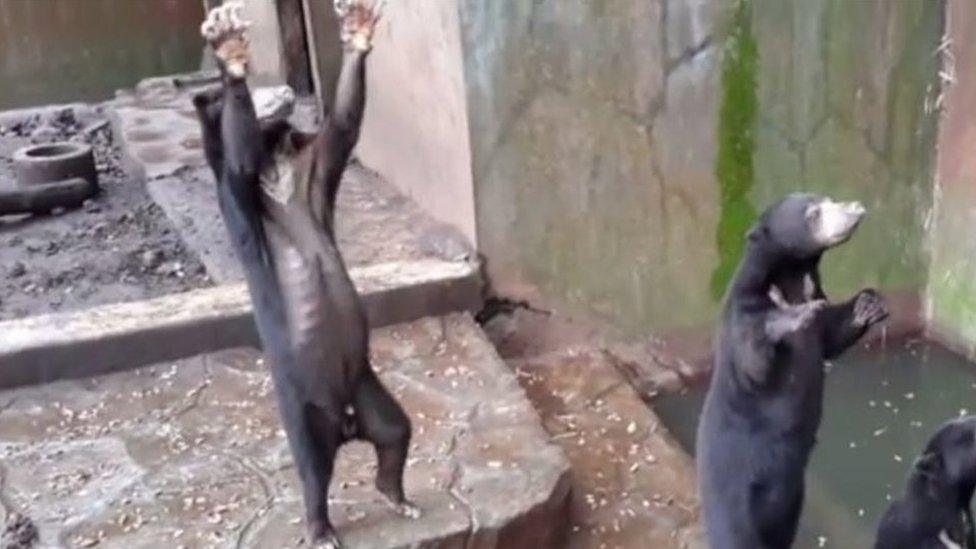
(43, 198)
(53, 162)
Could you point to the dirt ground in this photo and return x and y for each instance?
(118, 247)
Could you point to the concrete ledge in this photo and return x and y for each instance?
(127, 335)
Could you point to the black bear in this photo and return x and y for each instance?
(935, 511)
(763, 407)
(276, 188)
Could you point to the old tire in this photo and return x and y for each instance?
(42, 198)
(53, 162)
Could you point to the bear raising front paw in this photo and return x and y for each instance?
(224, 29)
(788, 318)
(359, 19)
(765, 400)
(869, 308)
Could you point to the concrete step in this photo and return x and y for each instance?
(191, 454)
(114, 337)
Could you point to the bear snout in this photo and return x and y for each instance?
(855, 209)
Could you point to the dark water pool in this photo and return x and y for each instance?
(880, 408)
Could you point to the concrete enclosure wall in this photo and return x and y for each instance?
(621, 149)
(267, 48)
(59, 51)
(951, 297)
(415, 132)
(609, 156)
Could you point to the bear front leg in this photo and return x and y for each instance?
(755, 340)
(787, 318)
(844, 324)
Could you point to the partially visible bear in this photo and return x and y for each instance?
(764, 403)
(935, 511)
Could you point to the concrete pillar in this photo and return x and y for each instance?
(268, 66)
(325, 52)
(415, 131)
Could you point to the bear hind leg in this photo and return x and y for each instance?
(314, 436)
(384, 423)
(775, 513)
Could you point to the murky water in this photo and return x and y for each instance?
(880, 408)
(55, 51)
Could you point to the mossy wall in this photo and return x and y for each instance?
(847, 93)
(620, 149)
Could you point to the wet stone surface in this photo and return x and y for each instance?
(633, 486)
(191, 454)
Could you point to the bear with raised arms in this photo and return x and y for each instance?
(763, 408)
(276, 188)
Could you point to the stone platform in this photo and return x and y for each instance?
(159, 134)
(191, 454)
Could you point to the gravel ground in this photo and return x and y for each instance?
(118, 247)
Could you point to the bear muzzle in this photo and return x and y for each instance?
(834, 222)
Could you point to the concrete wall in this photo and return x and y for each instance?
(268, 67)
(60, 51)
(325, 52)
(951, 296)
(594, 144)
(620, 149)
(846, 107)
(415, 131)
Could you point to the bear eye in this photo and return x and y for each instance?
(813, 213)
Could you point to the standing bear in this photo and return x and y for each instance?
(763, 408)
(276, 188)
(935, 511)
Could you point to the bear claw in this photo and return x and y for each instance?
(359, 20)
(407, 509)
(224, 29)
(869, 308)
(323, 536)
(224, 22)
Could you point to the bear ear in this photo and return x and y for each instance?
(929, 463)
(931, 467)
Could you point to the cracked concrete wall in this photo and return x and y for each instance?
(951, 292)
(621, 148)
(847, 95)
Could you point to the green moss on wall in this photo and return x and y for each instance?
(620, 180)
(736, 146)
